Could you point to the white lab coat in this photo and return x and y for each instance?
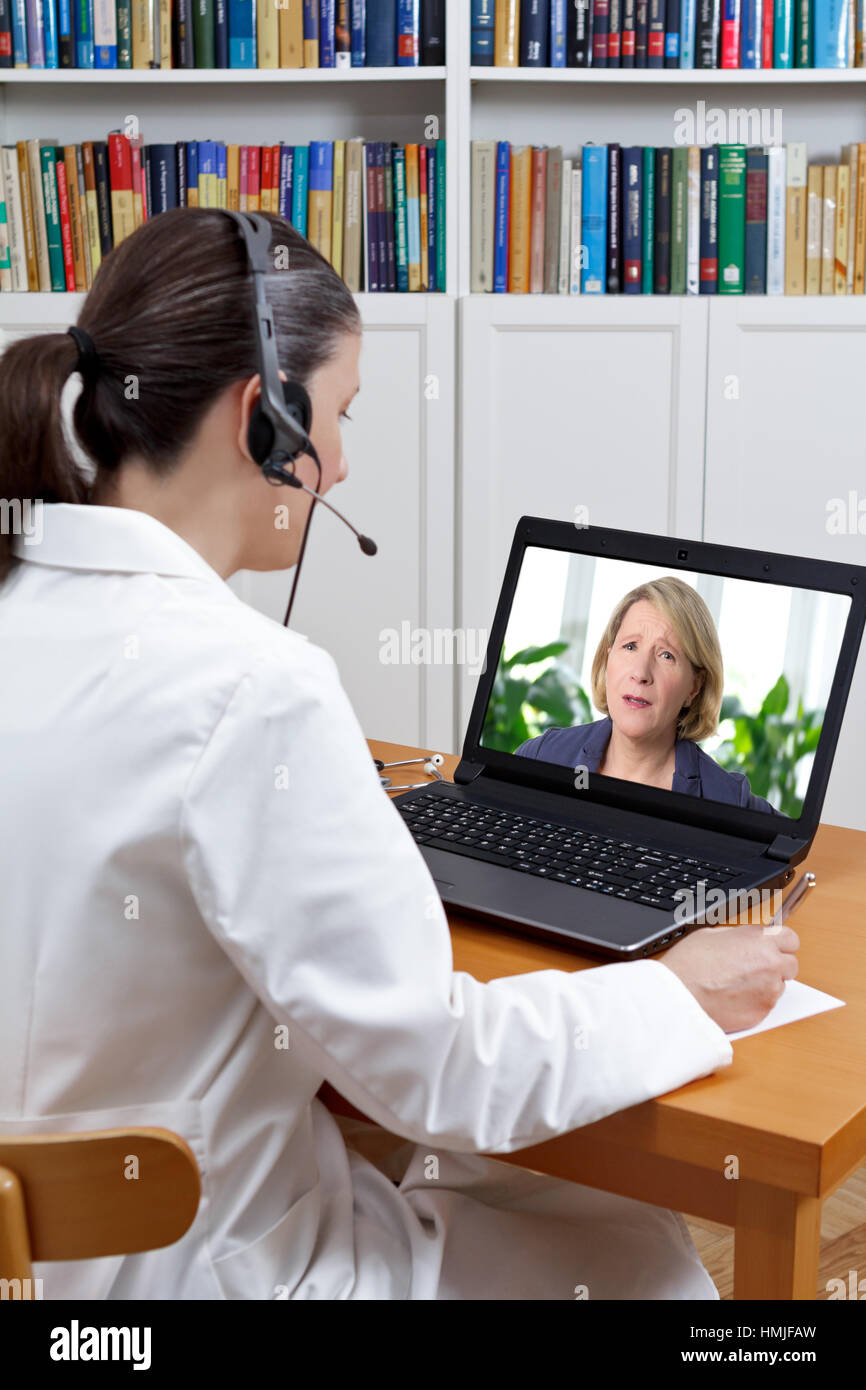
(209, 906)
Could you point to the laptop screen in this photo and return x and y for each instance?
(699, 683)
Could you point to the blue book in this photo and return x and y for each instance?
(557, 33)
(751, 32)
(311, 23)
(401, 228)
(221, 33)
(299, 188)
(49, 31)
(408, 33)
(327, 50)
(594, 219)
(709, 234)
(500, 246)
(83, 33)
(534, 34)
(287, 160)
(242, 33)
(830, 25)
(755, 267)
(688, 19)
(632, 213)
(222, 174)
(783, 33)
(163, 178)
(321, 166)
(431, 218)
(483, 26)
(358, 21)
(381, 33)
(191, 167)
(19, 33)
(35, 42)
(672, 33)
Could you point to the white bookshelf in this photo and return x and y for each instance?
(529, 416)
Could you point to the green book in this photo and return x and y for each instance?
(400, 226)
(678, 219)
(124, 33)
(440, 215)
(732, 218)
(648, 218)
(48, 159)
(803, 34)
(204, 43)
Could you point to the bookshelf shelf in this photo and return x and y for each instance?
(674, 77)
(223, 76)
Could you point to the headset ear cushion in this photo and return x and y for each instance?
(260, 434)
(298, 404)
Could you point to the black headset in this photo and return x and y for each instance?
(280, 421)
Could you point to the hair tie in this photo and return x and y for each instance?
(88, 363)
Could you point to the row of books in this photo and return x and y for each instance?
(374, 209)
(669, 33)
(221, 33)
(713, 219)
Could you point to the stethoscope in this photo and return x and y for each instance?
(431, 767)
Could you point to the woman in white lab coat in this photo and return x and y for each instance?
(209, 906)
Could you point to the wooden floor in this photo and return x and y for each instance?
(843, 1240)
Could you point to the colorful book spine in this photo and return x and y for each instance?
(756, 222)
(413, 217)
(632, 176)
(830, 20)
(707, 34)
(242, 33)
(104, 34)
(358, 20)
(300, 190)
(709, 232)
(648, 221)
(693, 221)
(401, 227)
(679, 214)
(501, 226)
(614, 219)
(672, 33)
(688, 24)
(594, 219)
(657, 9)
(752, 34)
(600, 28)
(732, 218)
(730, 38)
(534, 33)
(327, 50)
(783, 33)
(662, 255)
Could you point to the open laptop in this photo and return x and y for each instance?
(542, 840)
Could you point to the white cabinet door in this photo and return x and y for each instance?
(786, 458)
(574, 402)
(379, 616)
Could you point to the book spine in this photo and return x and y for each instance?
(600, 21)
(830, 19)
(433, 33)
(628, 33)
(124, 33)
(565, 227)
(648, 221)
(534, 33)
(709, 229)
(614, 34)
(662, 249)
(802, 32)
(401, 221)
(795, 219)
(552, 219)
(53, 232)
(731, 15)
(828, 230)
(441, 237)
(614, 219)
(576, 230)
(104, 34)
(342, 35)
(814, 224)
(656, 34)
(203, 33)
(327, 54)
(679, 213)
(688, 24)
(843, 193)
(408, 34)
(221, 31)
(776, 161)
(641, 33)
(536, 221)
(632, 169)
(413, 217)
(432, 218)
(783, 32)
(359, 33)
(732, 218)
(752, 37)
(672, 33)
(860, 224)
(242, 35)
(594, 219)
(693, 220)
(707, 34)
(501, 246)
(482, 39)
(755, 273)
(388, 219)
(68, 258)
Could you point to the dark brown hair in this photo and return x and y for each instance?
(170, 309)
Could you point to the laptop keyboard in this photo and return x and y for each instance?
(563, 853)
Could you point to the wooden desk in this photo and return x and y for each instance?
(791, 1108)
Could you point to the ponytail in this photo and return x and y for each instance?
(35, 460)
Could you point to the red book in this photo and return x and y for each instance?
(267, 158)
(730, 33)
(254, 179)
(65, 223)
(275, 178)
(135, 160)
(120, 186)
(767, 35)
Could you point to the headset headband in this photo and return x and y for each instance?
(290, 439)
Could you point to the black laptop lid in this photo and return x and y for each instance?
(760, 647)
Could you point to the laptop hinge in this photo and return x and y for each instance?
(784, 847)
(466, 772)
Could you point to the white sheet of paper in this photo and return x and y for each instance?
(798, 1001)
